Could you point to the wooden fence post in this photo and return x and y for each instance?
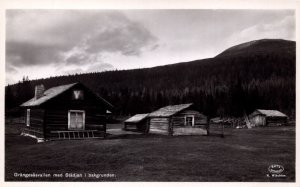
(222, 130)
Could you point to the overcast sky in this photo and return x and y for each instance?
(43, 43)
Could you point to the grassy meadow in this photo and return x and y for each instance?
(243, 155)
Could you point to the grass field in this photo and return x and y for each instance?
(243, 155)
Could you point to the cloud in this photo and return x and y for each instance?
(99, 67)
(10, 68)
(42, 37)
(283, 28)
(22, 53)
(128, 39)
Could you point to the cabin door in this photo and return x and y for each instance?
(76, 119)
(189, 120)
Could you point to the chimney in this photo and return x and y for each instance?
(39, 91)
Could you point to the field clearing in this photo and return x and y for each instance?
(243, 155)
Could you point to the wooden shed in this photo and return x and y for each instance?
(267, 117)
(69, 111)
(180, 119)
(137, 122)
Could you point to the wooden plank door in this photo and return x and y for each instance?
(189, 121)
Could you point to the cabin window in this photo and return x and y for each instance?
(28, 117)
(189, 120)
(77, 95)
(76, 119)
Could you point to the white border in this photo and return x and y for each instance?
(142, 4)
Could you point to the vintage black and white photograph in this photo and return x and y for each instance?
(150, 95)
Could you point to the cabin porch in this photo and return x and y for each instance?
(33, 132)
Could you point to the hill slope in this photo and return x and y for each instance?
(258, 74)
(261, 47)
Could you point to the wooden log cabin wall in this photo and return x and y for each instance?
(160, 125)
(34, 119)
(189, 122)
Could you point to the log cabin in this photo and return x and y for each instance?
(69, 111)
(267, 118)
(180, 119)
(137, 122)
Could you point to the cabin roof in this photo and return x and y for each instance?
(169, 110)
(271, 113)
(51, 93)
(136, 118)
(48, 94)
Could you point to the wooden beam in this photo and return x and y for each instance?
(222, 130)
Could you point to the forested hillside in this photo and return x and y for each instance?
(257, 74)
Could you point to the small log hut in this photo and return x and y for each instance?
(267, 118)
(180, 119)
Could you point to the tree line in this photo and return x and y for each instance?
(220, 86)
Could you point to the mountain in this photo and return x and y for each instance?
(261, 47)
(256, 74)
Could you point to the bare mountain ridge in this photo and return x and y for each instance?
(261, 47)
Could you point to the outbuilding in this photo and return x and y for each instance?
(267, 117)
(137, 122)
(69, 111)
(180, 119)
